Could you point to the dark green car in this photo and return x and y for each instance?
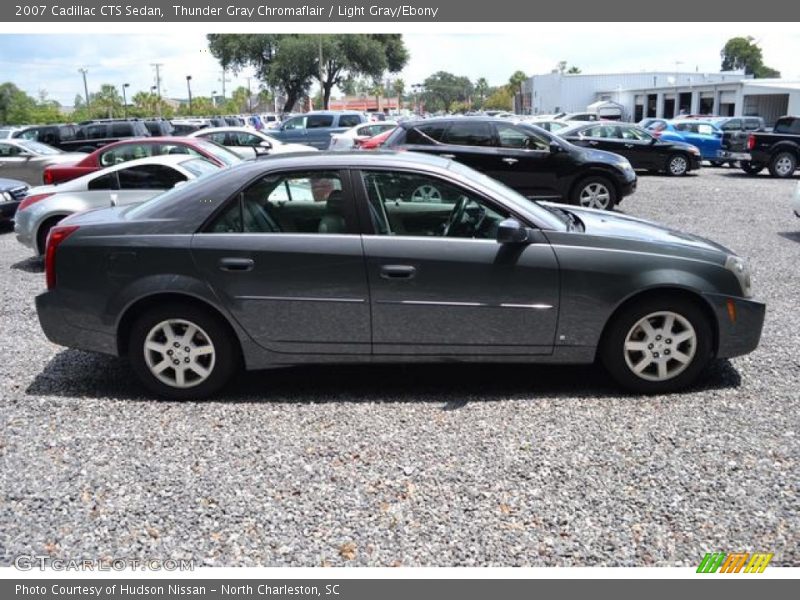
(381, 257)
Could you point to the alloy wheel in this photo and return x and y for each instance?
(426, 193)
(179, 353)
(660, 346)
(678, 165)
(595, 195)
(784, 166)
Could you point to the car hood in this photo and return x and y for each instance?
(11, 184)
(603, 223)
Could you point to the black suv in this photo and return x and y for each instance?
(159, 127)
(86, 136)
(527, 158)
(61, 136)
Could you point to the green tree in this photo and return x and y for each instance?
(515, 84)
(482, 89)
(107, 101)
(744, 53)
(573, 70)
(399, 87)
(501, 99)
(442, 89)
(290, 62)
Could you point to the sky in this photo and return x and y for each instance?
(50, 62)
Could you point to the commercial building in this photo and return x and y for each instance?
(664, 94)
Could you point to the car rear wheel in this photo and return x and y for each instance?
(44, 231)
(783, 165)
(182, 352)
(751, 168)
(677, 165)
(658, 346)
(595, 192)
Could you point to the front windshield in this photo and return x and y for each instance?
(550, 219)
(38, 147)
(221, 153)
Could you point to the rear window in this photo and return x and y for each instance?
(219, 152)
(199, 167)
(787, 126)
(149, 177)
(121, 130)
(349, 120)
(318, 121)
(466, 133)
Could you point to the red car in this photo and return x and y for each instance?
(130, 149)
(375, 141)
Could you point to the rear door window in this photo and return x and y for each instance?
(149, 177)
(349, 120)
(426, 135)
(469, 133)
(104, 182)
(319, 121)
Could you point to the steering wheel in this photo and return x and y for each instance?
(456, 216)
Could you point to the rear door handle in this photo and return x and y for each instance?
(593, 143)
(236, 264)
(398, 271)
(447, 155)
(510, 161)
(629, 145)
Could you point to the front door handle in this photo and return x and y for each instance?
(236, 264)
(448, 155)
(510, 161)
(629, 145)
(398, 271)
(593, 143)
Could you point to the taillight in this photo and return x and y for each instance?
(47, 177)
(28, 200)
(57, 235)
(751, 142)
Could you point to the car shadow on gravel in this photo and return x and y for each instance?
(763, 175)
(6, 227)
(76, 374)
(33, 264)
(792, 236)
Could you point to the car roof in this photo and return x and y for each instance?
(234, 128)
(346, 159)
(476, 119)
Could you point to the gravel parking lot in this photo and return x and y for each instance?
(418, 465)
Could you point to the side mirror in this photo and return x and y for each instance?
(555, 147)
(266, 145)
(511, 231)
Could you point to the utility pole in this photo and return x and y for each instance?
(125, 98)
(157, 67)
(83, 72)
(189, 88)
(249, 97)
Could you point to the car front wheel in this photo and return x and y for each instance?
(182, 352)
(677, 165)
(595, 192)
(658, 346)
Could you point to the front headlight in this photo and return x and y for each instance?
(739, 267)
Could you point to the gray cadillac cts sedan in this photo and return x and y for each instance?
(380, 257)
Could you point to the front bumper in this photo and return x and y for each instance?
(56, 322)
(733, 155)
(8, 209)
(626, 188)
(739, 329)
(695, 162)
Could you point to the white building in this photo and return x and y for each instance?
(664, 94)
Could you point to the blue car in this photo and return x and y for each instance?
(705, 135)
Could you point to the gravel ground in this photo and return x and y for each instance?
(417, 465)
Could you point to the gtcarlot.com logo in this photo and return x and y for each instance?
(31, 562)
(744, 562)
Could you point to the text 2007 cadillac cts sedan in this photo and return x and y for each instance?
(362, 257)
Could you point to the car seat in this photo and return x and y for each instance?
(333, 220)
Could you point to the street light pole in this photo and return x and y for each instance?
(83, 72)
(125, 99)
(189, 88)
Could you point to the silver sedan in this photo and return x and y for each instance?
(26, 159)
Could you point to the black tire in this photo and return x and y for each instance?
(751, 168)
(226, 355)
(677, 165)
(783, 165)
(716, 163)
(44, 230)
(595, 180)
(612, 347)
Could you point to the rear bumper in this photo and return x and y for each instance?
(739, 333)
(733, 155)
(55, 321)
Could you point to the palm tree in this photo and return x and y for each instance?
(482, 88)
(107, 99)
(515, 83)
(399, 87)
